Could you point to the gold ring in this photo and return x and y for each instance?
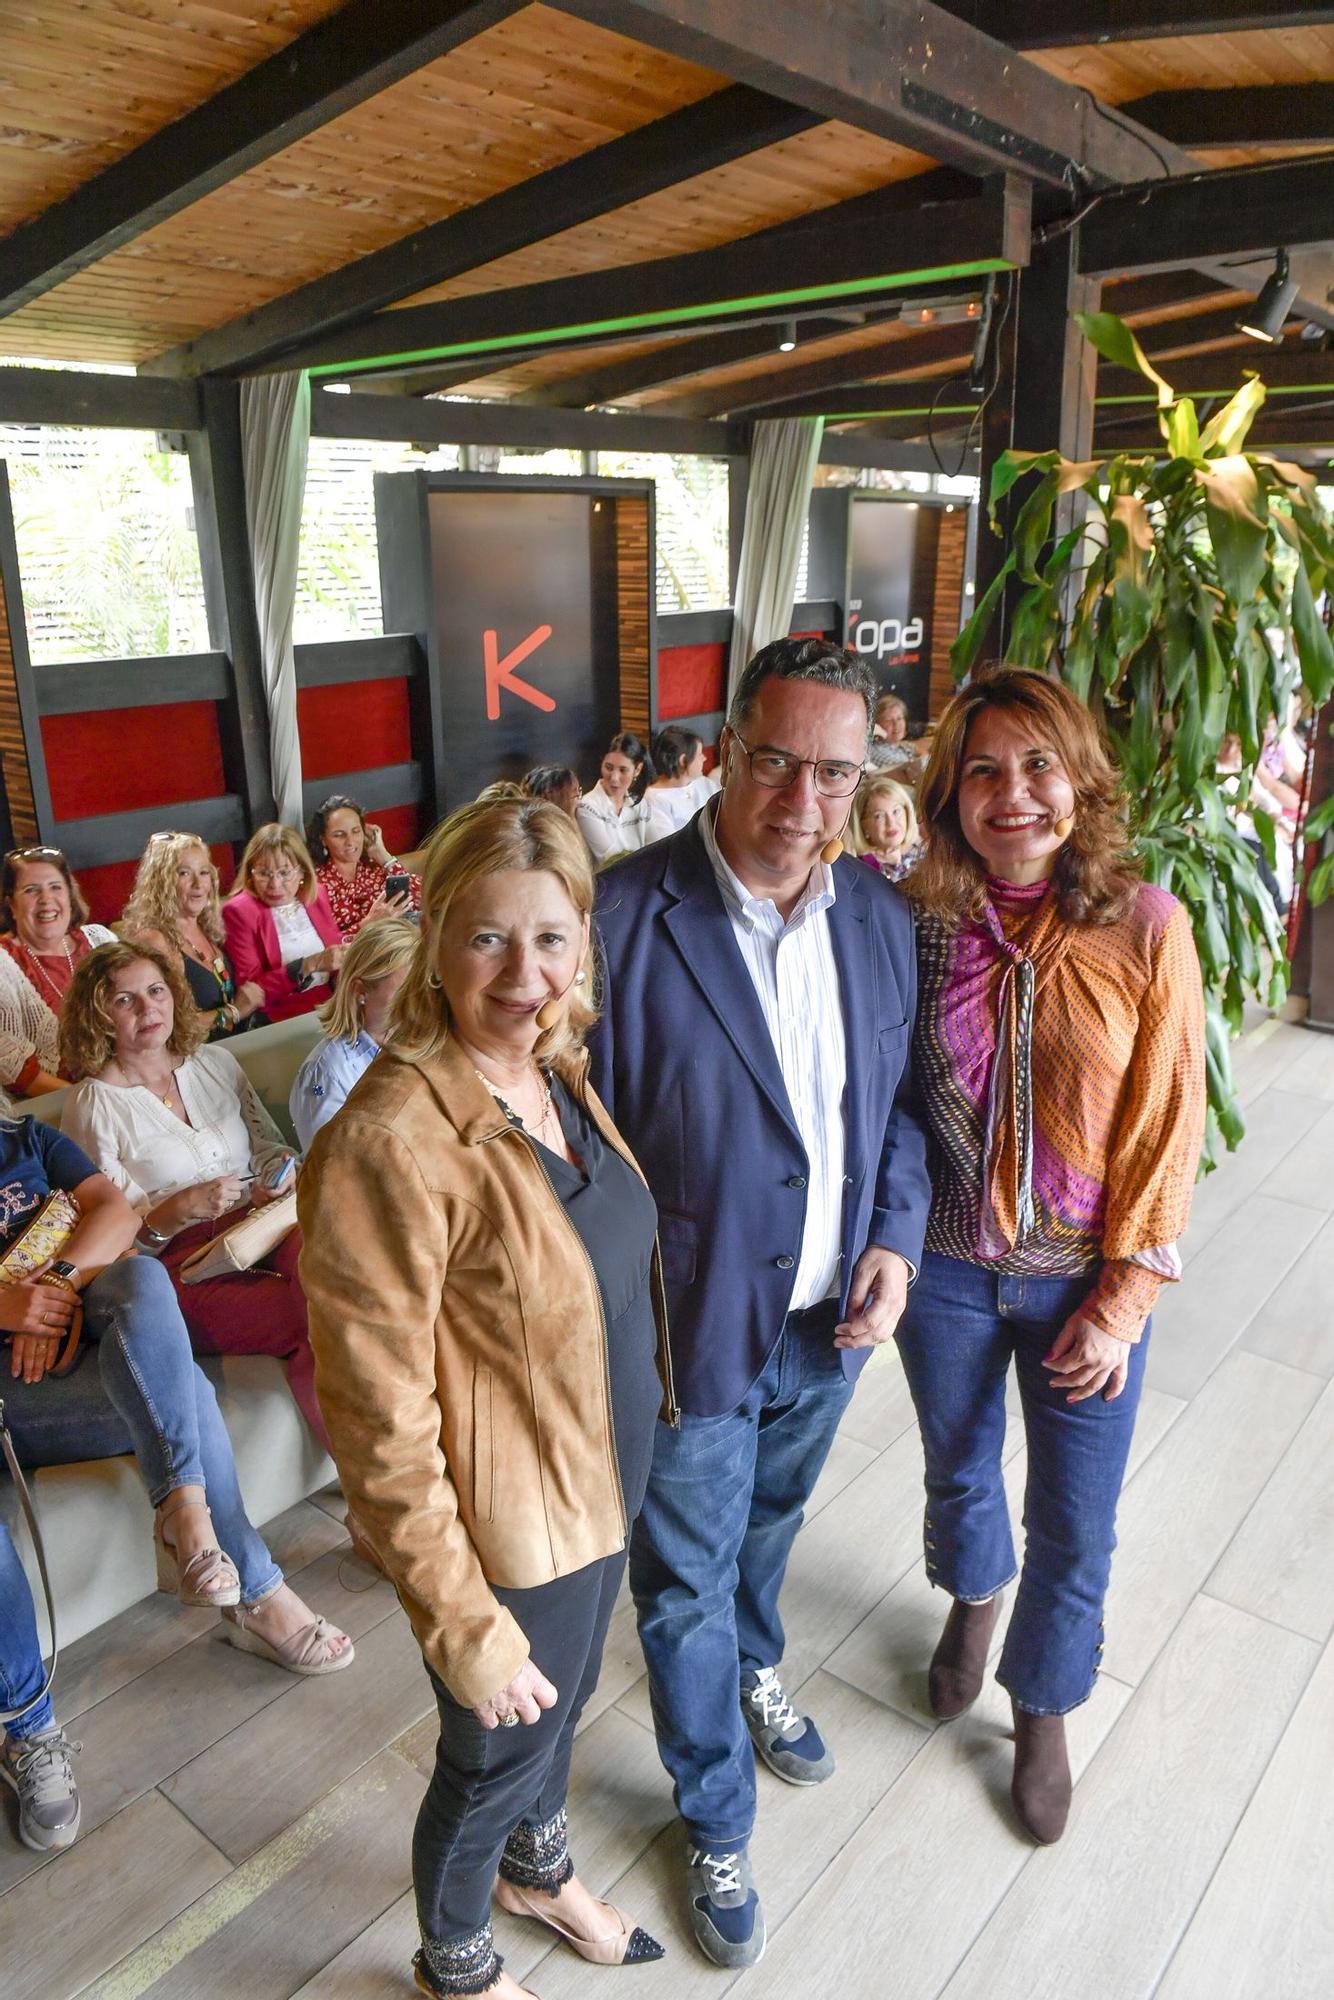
(509, 1720)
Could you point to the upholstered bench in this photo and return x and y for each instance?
(95, 1517)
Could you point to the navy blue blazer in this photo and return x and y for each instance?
(683, 1059)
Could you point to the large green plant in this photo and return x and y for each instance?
(1180, 607)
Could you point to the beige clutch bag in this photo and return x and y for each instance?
(244, 1245)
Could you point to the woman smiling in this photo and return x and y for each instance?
(44, 934)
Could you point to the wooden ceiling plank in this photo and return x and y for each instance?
(700, 136)
(764, 277)
(348, 57)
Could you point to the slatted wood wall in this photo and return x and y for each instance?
(634, 581)
(13, 750)
(946, 606)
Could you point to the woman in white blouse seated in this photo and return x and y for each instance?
(177, 1126)
(613, 815)
(374, 967)
(282, 936)
(680, 788)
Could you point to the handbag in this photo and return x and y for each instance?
(30, 1516)
(242, 1246)
(44, 1238)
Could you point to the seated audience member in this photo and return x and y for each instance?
(613, 815)
(680, 788)
(134, 1387)
(180, 1131)
(174, 904)
(353, 866)
(354, 1021)
(500, 789)
(554, 783)
(281, 934)
(1243, 813)
(890, 748)
(884, 827)
(44, 933)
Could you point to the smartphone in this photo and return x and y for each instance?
(279, 1174)
(396, 885)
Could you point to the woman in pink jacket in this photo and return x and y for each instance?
(281, 932)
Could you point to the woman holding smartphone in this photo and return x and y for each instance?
(356, 870)
(177, 1126)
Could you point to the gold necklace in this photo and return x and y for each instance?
(508, 1108)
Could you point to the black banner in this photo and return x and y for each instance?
(891, 589)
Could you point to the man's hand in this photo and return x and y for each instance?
(876, 1301)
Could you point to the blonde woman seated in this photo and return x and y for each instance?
(180, 1131)
(484, 1307)
(281, 932)
(884, 828)
(354, 1022)
(175, 905)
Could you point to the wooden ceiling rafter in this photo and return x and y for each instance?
(1054, 24)
(342, 61)
(1269, 114)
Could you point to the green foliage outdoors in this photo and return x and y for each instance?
(1174, 608)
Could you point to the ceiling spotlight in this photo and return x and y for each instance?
(1265, 319)
(787, 339)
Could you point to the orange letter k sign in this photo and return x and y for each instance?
(500, 673)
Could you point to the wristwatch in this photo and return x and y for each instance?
(61, 1272)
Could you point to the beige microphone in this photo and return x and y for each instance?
(1063, 828)
(549, 1013)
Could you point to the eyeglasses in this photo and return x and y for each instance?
(35, 854)
(282, 874)
(776, 769)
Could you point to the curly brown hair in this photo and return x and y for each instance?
(1097, 872)
(87, 1033)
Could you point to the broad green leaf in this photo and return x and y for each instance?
(1012, 465)
(1322, 881)
(967, 647)
(1320, 819)
(1314, 648)
(1183, 430)
(1033, 528)
(1132, 615)
(1116, 343)
(1266, 833)
(1226, 432)
(1237, 531)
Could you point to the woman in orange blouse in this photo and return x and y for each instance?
(1059, 1049)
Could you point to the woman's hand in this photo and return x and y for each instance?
(210, 1199)
(375, 847)
(261, 1194)
(38, 1317)
(328, 960)
(1087, 1360)
(248, 998)
(525, 1696)
(388, 906)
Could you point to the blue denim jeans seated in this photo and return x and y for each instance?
(707, 1559)
(963, 1326)
(21, 1669)
(137, 1387)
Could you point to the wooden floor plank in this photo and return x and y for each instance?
(1183, 1507)
(264, 1930)
(1266, 1921)
(1274, 1124)
(1302, 1064)
(1280, 1563)
(1306, 1171)
(1102, 1912)
(1197, 1322)
(1296, 1322)
(114, 1888)
(881, 1408)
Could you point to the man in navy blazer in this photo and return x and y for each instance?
(753, 1049)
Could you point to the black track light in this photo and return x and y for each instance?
(1265, 319)
(787, 336)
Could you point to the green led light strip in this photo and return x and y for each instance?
(885, 416)
(668, 316)
(1282, 389)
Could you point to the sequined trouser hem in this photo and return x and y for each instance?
(538, 1857)
(468, 1964)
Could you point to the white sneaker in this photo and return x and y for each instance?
(39, 1769)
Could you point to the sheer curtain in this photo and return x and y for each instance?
(275, 436)
(784, 453)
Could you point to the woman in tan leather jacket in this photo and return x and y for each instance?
(490, 1345)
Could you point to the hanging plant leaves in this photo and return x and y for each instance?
(1183, 430)
(1315, 651)
(1226, 432)
(1239, 534)
(966, 648)
(1116, 343)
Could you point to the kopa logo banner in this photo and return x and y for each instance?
(891, 590)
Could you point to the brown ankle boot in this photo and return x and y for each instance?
(1041, 1787)
(960, 1660)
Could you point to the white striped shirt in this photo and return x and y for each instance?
(792, 968)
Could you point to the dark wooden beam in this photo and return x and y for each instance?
(906, 69)
(863, 445)
(1056, 24)
(1307, 429)
(107, 402)
(1131, 297)
(403, 419)
(831, 371)
(1223, 212)
(1170, 334)
(1270, 114)
(762, 278)
(685, 143)
(349, 56)
(78, 686)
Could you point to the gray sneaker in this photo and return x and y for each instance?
(788, 1741)
(725, 1911)
(38, 1767)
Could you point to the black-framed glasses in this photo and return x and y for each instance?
(774, 769)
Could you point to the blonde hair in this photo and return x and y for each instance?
(276, 839)
(377, 950)
(87, 1032)
(475, 842)
(877, 786)
(155, 903)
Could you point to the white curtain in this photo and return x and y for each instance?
(275, 436)
(784, 453)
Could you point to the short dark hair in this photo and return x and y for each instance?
(544, 780)
(673, 749)
(818, 660)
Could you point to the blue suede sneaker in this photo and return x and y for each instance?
(788, 1741)
(724, 1909)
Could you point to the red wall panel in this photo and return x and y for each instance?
(692, 680)
(353, 726)
(120, 759)
(107, 889)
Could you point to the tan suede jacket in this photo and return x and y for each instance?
(461, 1354)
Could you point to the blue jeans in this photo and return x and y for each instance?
(137, 1387)
(963, 1326)
(707, 1559)
(21, 1670)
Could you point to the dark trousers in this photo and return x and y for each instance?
(489, 1781)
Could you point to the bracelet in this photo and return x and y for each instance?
(58, 1284)
(154, 1235)
(220, 1021)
